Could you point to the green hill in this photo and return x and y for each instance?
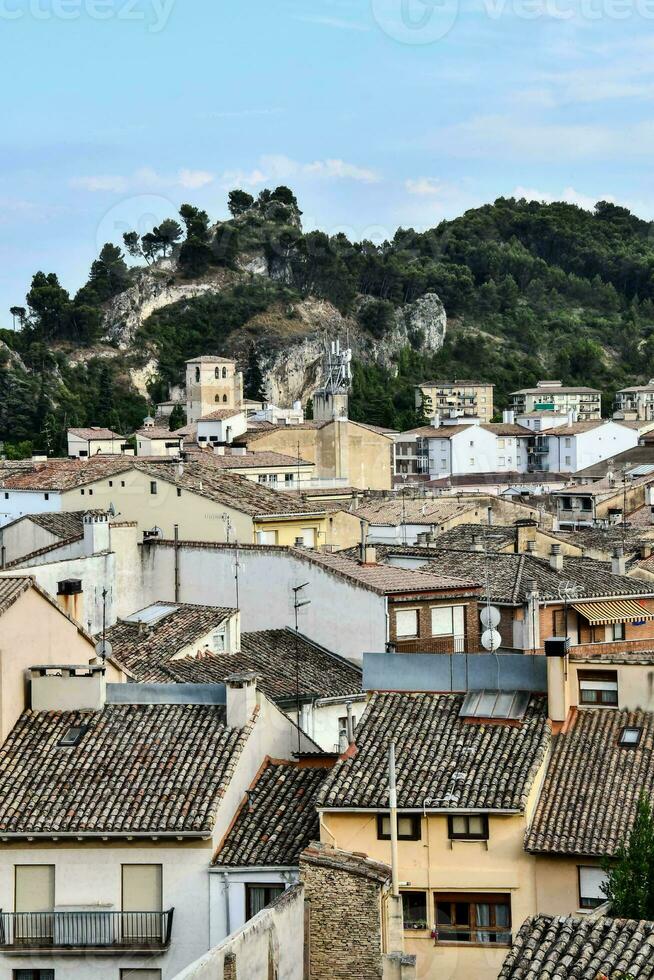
(531, 290)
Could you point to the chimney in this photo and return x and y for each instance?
(436, 421)
(572, 416)
(180, 467)
(70, 597)
(370, 557)
(531, 546)
(556, 558)
(242, 698)
(476, 543)
(239, 450)
(220, 450)
(645, 550)
(558, 688)
(617, 562)
(68, 688)
(489, 516)
(96, 534)
(508, 416)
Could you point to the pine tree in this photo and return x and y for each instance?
(177, 418)
(254, 386)
(630, 884)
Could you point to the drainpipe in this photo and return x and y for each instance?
(228, 921)
(176, 562)
(392, 803)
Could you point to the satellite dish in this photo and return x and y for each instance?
(490, 617)
(491, 640)
(104, 649)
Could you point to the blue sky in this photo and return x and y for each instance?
(378, 113)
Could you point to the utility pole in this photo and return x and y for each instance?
(176, 536)
(237, 565)
(297, 605)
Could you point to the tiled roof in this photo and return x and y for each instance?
(432, 743)
(11, 589)
(561, 947)
(221, 413)
(457, 381)
(95, 432)
(250, 460)
(492, 537)
(210, 359)
(271, 654)
(146, 649)
(255, 431)
(201, 476)
(588, 801)
(447, 431)
(157, 432)
(556, 390)
(277, 819)
(396, 510)
(508, 575)
(63, 524)
(62, 474)
(348, 862)
(139, 769)
(603, 487)
(389, 579)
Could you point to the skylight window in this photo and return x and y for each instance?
(73, 736)
(630, 737)
(505, 705)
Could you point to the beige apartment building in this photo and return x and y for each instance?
(467, 398)
(636, 403)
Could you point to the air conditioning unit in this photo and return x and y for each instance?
(69, 586)
(557, 646)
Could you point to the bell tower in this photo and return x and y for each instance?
(212, 383)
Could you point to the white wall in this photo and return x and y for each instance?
(24, 537)
(15, 503)
(277, 931)
(91, 874)
(588, 448)
(228, 888)
(342, 617)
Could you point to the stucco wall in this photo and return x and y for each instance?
(342, 617)
(15, 503)
(273, 938)
(24, 537)
(33, 632)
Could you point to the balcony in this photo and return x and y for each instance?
(432, 644)
(99, 932)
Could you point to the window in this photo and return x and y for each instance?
(568, 444)
(414, 910)
(342, 725)
(217, 398)
(266, 537)
(501, 461)
(559, 623)
(408, 826)
(224, 372)
(34, 891)
(468, 827)
(566, 503)
(500, 443)
(153, 486)
(216, 373)
(598, 687)
(447, 621)
(586, 503)
(258, 896)
(630, 737)
(288, 477)
(73, 736)
(33, 974)
(406, 622)
(82, 492)
(179, 491)
(618, 631)
(111, 483)
(197, 374)
(141, 892)
(472, 460)
(137, 973)
(219, 642)
(6, 496)
(568, 461)
(46, 496)
(90, 493)
(590, 892)
(224, 398)
(465, 918)
(122, 483)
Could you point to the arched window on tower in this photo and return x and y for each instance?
(217, 398)
(216, 373)
(197, 374)
(224, 372)
(224, 398)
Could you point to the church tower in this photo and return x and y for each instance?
(212, 383)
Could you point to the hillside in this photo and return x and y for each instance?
(529, 290)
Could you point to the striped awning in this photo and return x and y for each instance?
(614, 611)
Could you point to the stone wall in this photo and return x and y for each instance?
(344, 894)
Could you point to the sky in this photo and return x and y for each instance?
(378, 113)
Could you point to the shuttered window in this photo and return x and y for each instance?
(35, 887)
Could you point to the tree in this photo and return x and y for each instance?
(630, 883)
(109, 274)
(238, 202)
(17, 312)
(49, 305)
(132, 242)
(177, 418)
(195, 253)
(254, 386)
(168, 233)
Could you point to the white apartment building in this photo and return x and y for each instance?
(553, 396)
(637, 402)
(451, 447)
(571, 447)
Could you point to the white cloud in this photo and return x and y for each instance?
(142, 180)
(276, 167)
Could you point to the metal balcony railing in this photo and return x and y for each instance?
(105, 931)
(431, 644)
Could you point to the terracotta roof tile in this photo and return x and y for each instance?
(588, 801)
(139, 768)
(587, 948)
(500, 761)
(277, 819)
(387, 579)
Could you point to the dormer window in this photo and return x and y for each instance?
(630, 737)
